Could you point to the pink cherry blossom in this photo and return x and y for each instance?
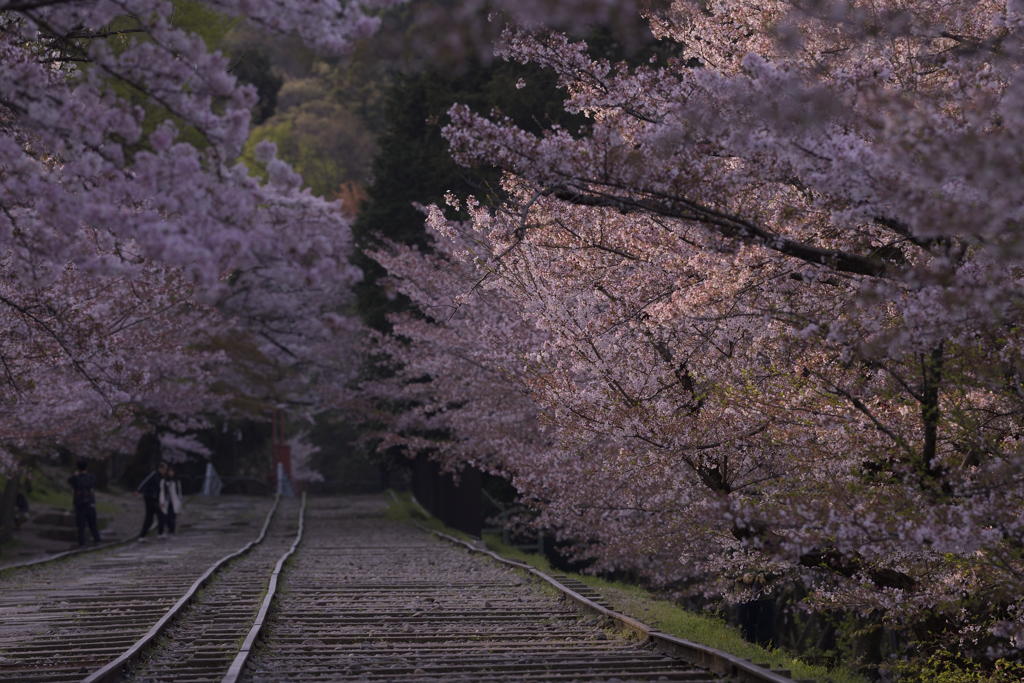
(143, 269)
(765, 306)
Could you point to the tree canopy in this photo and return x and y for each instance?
(747, 306)
(764, 310)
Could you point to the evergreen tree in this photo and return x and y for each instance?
(414, 166)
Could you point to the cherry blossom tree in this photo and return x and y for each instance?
(136, 248)
(459, 393)
(120, 129)
(83, 357)
(776, 288)
(446, 391)
(93, 361)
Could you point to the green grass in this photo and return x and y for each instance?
(637, 602)
(50, 488)
(402, 508)
(44, 492)
(10, 547)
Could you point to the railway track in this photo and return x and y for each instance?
(203, 642)
(370, 600)
(61, 620)
(363, 599)
(65, 554)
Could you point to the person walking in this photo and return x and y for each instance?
(170, 501)
(150, 490)
(82, 483)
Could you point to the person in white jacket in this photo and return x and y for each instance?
(170, 502)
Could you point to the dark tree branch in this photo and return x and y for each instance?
(732, 227)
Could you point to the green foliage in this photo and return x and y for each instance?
(948, 667)
(253, 66)
(360, 84)
(322, 140)
(197, 17)
(325, 117)
(414, 165)
(342, 463)
(402, 508)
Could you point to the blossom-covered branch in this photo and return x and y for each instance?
(776, 283)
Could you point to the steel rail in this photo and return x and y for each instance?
(737, 668)
(114, 670)
(66, 553)
(238, 665)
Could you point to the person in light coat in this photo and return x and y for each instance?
(170, 502)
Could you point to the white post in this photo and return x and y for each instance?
(212, 483)
(284, 486)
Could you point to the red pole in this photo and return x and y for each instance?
(282, 454)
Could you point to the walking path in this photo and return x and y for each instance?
(362, 598)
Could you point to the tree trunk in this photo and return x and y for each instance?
(7, 500)
(147, 455)
(931, 380)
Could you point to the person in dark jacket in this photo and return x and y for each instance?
(20, 509)
(83, 483)
(150, 490)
